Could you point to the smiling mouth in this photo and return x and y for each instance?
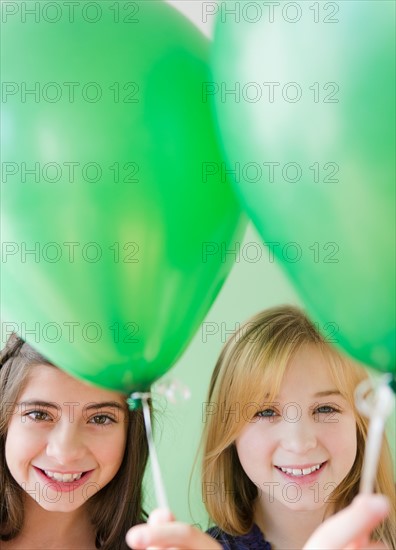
(301, 472)
(64, 478)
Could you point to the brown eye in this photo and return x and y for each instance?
(101, 419)
(38, 416)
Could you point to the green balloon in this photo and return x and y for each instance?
(304, 94)
(109, 227)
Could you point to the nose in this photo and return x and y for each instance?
(65, 445)
(298, 435)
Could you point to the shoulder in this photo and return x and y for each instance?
(254, 540)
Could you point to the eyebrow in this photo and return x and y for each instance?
(35, 403)
(111, 404)
(326, 393)
(49, 405)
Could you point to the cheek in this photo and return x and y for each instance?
(254, 448)
(16, 441)
(19, 450)
(111, 452)
(342, 439)
(25, 439)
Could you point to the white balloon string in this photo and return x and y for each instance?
(377, 407)
(162, 501)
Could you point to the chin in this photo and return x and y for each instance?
(60, 506)
(67, 503)
(304, 505)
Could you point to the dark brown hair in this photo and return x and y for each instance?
(113, 509)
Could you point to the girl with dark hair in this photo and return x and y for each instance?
(72, 458)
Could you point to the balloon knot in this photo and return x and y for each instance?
(392, 383)
(134, 401)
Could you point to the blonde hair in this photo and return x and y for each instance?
(251, 365)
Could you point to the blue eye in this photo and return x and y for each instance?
(267, 413)
(326, 409)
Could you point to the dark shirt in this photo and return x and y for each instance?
(254, 540)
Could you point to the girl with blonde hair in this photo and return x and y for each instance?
(283, 442)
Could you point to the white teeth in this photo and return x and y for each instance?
(298, 472)
(64, 478)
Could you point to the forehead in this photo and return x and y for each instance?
(308, 372)
(290, 374)
(49, 383)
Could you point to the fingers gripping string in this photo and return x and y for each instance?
(133, 401)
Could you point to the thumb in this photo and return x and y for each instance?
(346, 528)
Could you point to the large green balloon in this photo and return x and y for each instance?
(109, 228)
(305, 93)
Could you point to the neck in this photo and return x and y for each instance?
(55, 530)
(285, 528)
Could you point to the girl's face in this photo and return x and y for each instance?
(65, 439)
(298, 449)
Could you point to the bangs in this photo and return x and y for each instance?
(251, 382)
(345, 373)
